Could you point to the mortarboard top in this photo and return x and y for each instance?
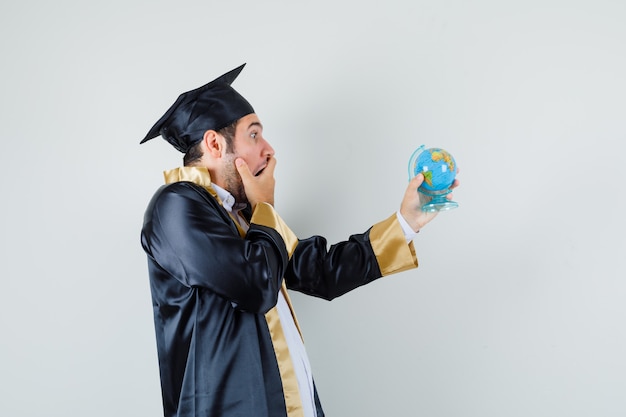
(211, 107)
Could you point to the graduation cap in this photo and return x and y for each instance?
(211, 107)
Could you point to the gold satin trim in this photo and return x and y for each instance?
(197, 175)
(265, 215)
(291, 391)
(392, 252)
(293, 402)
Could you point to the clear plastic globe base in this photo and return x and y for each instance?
(439, 170)
(439, 203)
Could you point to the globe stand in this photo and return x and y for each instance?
(421, 162)
(439, 202)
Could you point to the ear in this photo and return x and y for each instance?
(213, 143)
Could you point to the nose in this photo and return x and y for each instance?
(268, 150)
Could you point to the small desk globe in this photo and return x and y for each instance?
(439, 170)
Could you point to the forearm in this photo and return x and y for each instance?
(329, 273)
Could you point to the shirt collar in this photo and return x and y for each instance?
(228, 201)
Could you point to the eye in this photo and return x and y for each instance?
(253, 135)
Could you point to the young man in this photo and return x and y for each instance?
(221, 259)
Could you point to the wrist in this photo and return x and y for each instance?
(408, 221)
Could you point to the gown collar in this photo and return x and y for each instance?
(202, 177)
(197, 175)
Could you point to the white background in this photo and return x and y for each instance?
(517, 308)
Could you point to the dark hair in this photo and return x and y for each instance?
(195, 152)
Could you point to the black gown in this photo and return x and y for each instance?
(214, 289)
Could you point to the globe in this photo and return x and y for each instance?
(439, 169)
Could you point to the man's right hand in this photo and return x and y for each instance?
(411, 207)
(260, 188)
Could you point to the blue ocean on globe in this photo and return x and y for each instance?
(438, 168)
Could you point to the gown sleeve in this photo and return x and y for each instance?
(189, 236)
(317, 270)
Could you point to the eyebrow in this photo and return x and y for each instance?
(255, 124)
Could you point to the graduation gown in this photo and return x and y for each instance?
(214, 289)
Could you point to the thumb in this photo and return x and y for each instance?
(417, 180)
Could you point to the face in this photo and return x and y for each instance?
(250, 145)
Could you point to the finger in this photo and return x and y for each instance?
(243, 169)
